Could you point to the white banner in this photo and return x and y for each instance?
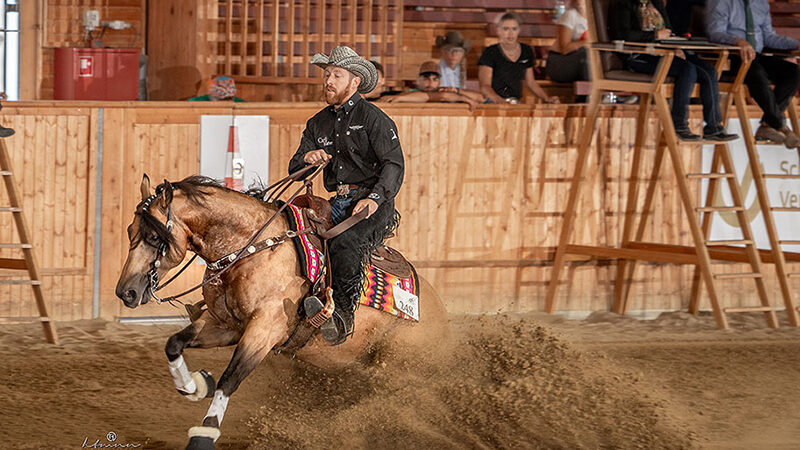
(781, 192)
(253, 146)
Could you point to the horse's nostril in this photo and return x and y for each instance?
(130, 294)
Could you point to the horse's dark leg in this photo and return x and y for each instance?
(260, 336)
(203, 333)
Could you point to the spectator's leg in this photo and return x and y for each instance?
(685, 75)
(709, 94)
(757, 82)
(786, 77)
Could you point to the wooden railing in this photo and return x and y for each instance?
(272, 41)
(481, 202)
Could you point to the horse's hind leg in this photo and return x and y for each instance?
(261, 335)
(204, 333)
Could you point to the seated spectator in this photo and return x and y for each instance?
(453, 47)
(749, 26)
(428, 89)
(647, 21)
(380, 88)
(567, 60)
(504, 66)
(221, 88)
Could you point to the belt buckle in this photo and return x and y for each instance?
(342, 190)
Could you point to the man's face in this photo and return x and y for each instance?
(428, 82)
(339, 85)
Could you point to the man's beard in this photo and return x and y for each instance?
(335, 98)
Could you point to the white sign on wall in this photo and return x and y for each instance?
(253, 134)
(782, 192)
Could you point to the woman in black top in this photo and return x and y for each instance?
(647, 21)
(504, 66)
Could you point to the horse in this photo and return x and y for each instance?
(255, 304)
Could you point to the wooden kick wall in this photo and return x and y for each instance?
(482, 200)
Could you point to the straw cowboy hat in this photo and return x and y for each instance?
(453, 39)
(348, 59)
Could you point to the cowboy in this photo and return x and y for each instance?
(453, 47)
(365, 170)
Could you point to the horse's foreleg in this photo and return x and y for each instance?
(261, 335)
(202, 333)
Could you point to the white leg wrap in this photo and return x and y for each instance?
(181, 376)
(218, 406)
(210, 432)
(202, 388)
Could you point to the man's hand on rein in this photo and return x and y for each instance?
(316, 157)
(368, 203)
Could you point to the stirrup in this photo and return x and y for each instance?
(328, 329)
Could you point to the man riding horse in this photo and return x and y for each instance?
(365, 170)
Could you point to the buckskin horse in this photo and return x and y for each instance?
(255, 304)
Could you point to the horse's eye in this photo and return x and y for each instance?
(153, 238)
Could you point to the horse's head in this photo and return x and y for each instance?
(158, 243)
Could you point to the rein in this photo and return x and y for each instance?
(222, 265)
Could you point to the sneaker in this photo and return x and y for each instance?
(767, 133)
(792, 140)
(686, 135)
(6, 132)
(720, 136)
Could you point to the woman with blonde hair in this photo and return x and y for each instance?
(504, 66)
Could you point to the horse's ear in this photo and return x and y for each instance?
(145, 186)
(166, 194)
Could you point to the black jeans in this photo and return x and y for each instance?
(567, 68)
(349, 252)
(766, 70)
(686, 73)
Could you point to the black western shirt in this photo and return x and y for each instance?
(364, 146)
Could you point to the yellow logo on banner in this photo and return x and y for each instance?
(750, 211)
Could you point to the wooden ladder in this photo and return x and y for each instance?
(28, 262)
(726, 250)
(775, 255)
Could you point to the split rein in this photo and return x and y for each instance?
(272, 194)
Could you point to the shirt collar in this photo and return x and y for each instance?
(349, 104)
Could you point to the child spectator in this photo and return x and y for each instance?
(453, 47)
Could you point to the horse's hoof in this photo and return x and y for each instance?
(205, 386)
(202, 438)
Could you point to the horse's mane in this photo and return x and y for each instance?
(195, 190)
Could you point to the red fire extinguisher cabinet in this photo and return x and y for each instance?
(96, 74)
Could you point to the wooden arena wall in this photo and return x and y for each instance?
(482, 200)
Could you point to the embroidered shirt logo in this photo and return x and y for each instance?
(356, 127)
(394, 135)
(323, 141)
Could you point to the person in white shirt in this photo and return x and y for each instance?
(453, 48)
(567, 59)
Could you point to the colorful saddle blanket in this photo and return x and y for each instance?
(391, 283)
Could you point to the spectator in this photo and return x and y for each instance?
(219, 89)
(567, 59)
(647, 21)
(380, 88)
(428, 89)
(748, 25)
(453, 47)
(504, 66)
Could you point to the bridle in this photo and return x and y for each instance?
(152, 274)
(271, 194)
